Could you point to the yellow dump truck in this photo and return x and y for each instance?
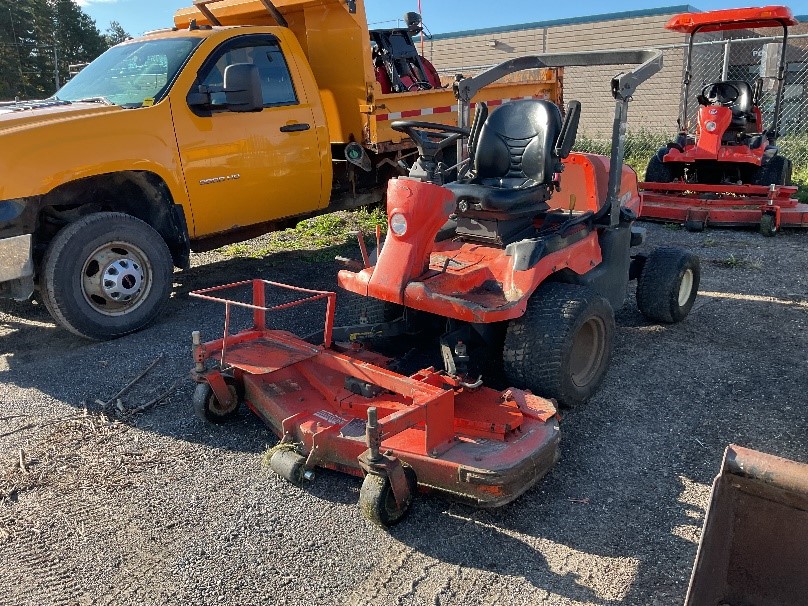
(245, 116)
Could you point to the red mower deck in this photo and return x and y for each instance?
(699, 206)
(338, 407)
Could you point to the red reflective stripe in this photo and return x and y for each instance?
(382, 116)
(441, 110)
(411, 113)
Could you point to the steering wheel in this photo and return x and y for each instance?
(720, 93)
(419, 85)
(429, 137)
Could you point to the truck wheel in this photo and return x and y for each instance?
(560, 348)
(668, 285)
(660, 172)
(106, 275)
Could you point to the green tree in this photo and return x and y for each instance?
(26, 53)
(33, 34)
(115, 34)
(76, 35)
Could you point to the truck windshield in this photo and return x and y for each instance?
(130, 75)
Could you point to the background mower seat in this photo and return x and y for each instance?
(514, 159)
(742, 107)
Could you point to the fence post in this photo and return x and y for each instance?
(725, 66)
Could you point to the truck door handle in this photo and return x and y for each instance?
(295, 128)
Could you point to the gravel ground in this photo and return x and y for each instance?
(154, 507)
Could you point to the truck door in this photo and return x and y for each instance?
(248, 168)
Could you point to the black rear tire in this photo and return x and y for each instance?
(561, 347)
(668, 284)
(106, 275)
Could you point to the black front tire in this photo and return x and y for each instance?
(106, 275)
(561, 347)
(777, 172)
(668, 284)
(660, 172)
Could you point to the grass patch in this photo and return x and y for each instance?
(733, 262)
(324, 231)
(640, 146)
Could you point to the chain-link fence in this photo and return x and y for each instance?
(657, 105)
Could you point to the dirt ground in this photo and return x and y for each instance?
(123, 506)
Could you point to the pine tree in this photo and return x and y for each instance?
(115, 34)
(32, 34)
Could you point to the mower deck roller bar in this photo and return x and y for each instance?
(318, 397)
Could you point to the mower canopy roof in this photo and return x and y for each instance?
(733, 18)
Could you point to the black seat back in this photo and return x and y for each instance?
(516, 145)
(742, 105)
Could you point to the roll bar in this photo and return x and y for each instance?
(624, 85)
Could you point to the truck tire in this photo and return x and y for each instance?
(668, 284)
(106, 275)
(561, 347)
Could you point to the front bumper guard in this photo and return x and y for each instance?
(16, 267)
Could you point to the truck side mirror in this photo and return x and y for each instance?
(242, 88)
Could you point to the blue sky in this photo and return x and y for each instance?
(440, 16)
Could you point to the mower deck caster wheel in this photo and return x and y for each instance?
(694, 225)
(377, 502)
(768, 225)
(291, 466)
(208, 408)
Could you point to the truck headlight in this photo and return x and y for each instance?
(710, 126)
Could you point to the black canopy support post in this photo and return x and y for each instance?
(616, 161)
(688, 76)
(781, 81)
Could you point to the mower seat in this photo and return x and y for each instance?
(742, 107)
(514, 160)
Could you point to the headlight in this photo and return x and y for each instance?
(398, 224)
(710, 126)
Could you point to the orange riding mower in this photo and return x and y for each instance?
(513, 271)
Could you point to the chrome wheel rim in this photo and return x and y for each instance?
(116, 278)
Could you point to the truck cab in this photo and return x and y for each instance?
(243, 117)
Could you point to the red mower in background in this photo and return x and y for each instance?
(511, 272)
(727, 171)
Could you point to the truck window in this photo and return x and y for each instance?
(276, 81)
(131, 74)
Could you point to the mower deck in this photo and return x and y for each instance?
(723, 205)
(474, 444)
